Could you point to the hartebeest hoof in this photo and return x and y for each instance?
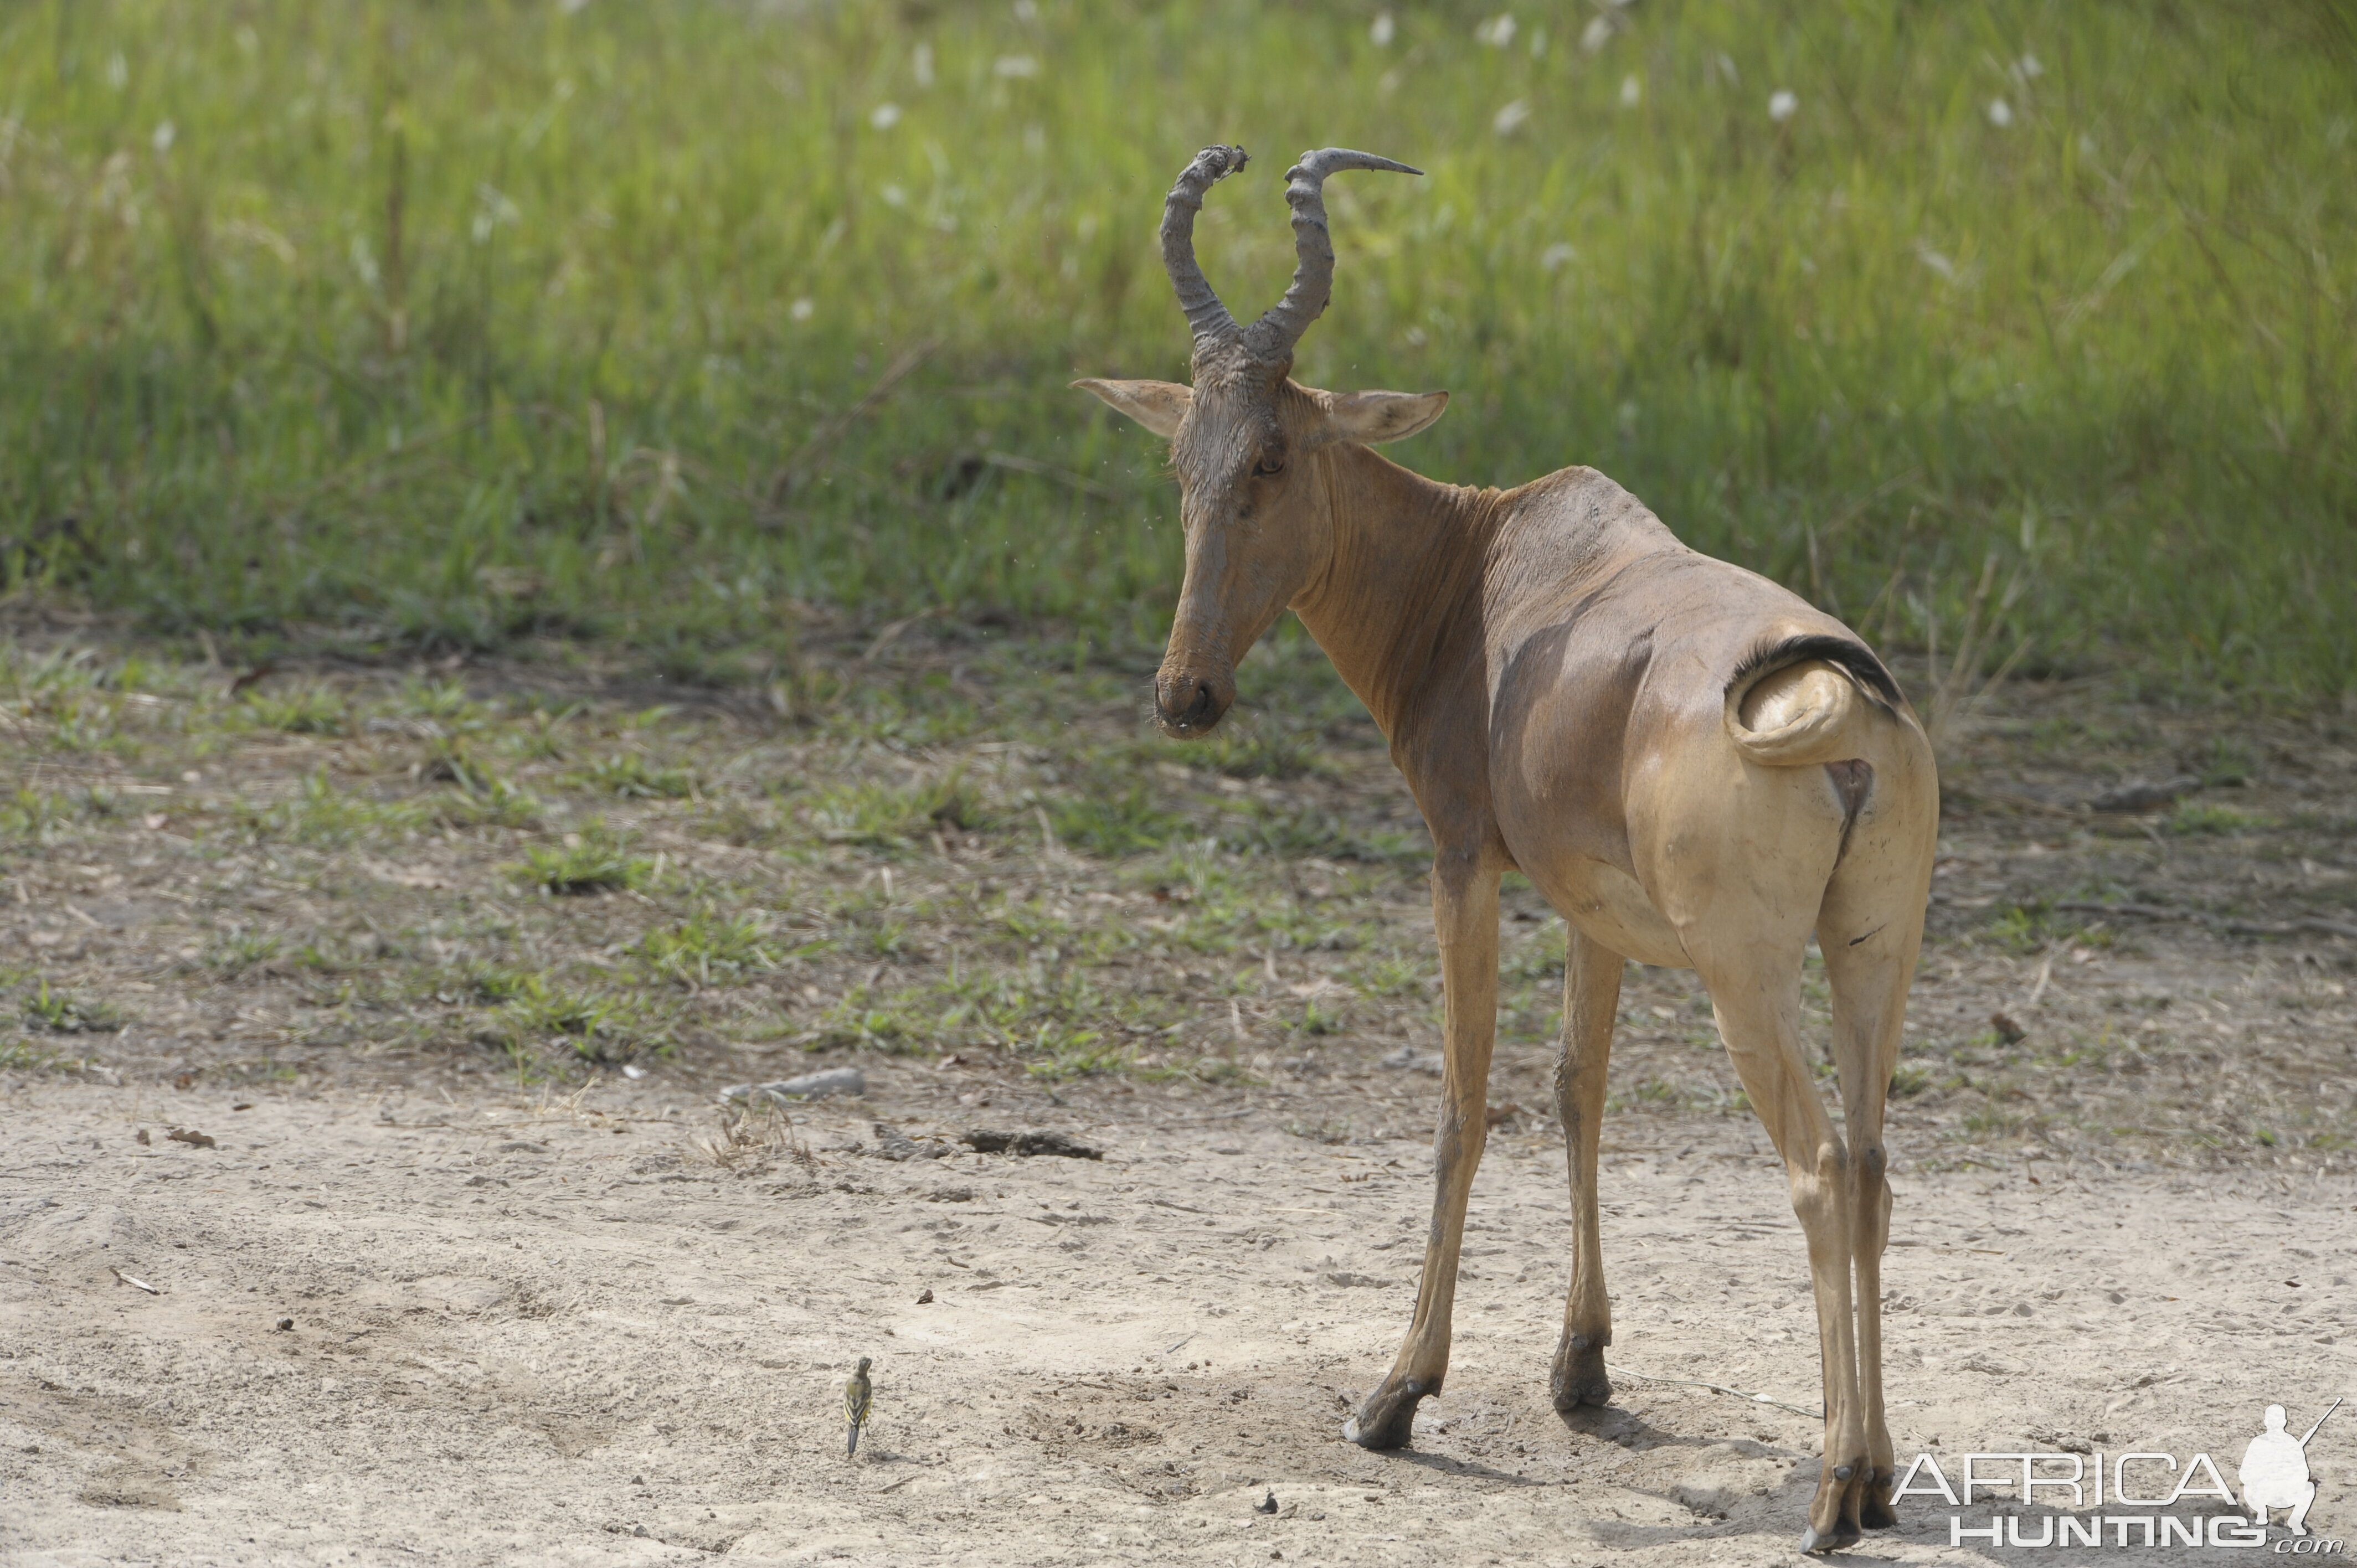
(1840, 1490)
(1388, 1416)
(1842, 1536)
(1578, 1377)
(1875, 1511)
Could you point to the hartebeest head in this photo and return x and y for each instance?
(1245, 439)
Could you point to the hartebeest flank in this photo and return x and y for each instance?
(1695, 768)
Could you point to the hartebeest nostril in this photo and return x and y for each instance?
(1188, 706)
(1201, 707)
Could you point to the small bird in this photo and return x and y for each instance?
(1268, 1504)
(857, 1395)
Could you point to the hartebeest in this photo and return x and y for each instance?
(1694, 767)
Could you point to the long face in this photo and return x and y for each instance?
(1256, 533)
(1248, 445)
(1252, 449)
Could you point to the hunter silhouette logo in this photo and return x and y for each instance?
(2139, 1497)
(2274, 1471)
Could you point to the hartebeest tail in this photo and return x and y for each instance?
(1572, 694)
(1802, 701)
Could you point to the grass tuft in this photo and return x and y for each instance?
(62, 1015)
(594, 860)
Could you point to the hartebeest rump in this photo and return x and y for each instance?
(1694, 766)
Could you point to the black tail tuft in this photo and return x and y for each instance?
(1848, 652)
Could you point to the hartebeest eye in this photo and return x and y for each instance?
(1270, 465)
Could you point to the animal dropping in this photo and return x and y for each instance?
(1694, 766)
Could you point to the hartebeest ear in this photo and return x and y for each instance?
(1157, 405)
(1373, 417)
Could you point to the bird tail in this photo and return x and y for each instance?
(851, 1449)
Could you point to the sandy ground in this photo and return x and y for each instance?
(572, 1332)
(539, 1319)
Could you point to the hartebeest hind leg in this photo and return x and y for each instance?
(1591, 997)
(1465, 913)
(1755, 996)
(1868, 976)
(1870, 1005)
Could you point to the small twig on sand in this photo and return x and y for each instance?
(136, 1285)
(1717, 1389)
(2311, 925)
(2045, 975)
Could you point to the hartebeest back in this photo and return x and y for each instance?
(1694, 766)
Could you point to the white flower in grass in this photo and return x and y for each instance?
(884, 116)
(894, 196)
(1380, 32)
(1782, 104)
(1633, 91)
(1597, 34)
(801, 310)
(921, 64)
(1510, 119)
(1016, 65)
(492, 209)
(1556, 255)
(1498, 31)
(162, 140)
(2000, 113)
(2030, 68)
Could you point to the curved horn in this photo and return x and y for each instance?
(1205, 314)
(1313, 276)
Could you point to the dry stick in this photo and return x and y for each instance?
(2317, 924)
(830, 431)
(1080, 482)
(1957, 693)
(1717, 1389)
(892, 632)
(2045, 977)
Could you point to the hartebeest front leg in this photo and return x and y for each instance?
(1465, 912)
(1591, 998)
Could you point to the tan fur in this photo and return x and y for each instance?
(1572, 692)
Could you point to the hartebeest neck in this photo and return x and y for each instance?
(1402, 591)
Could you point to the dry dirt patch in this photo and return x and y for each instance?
(504, 1355)
(544, 1311)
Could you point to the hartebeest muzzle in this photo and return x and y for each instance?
(1188, 699)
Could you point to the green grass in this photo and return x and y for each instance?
(596, 1024)
(629, 775)
(302, 710)
(63, 1015)
(883, 815)
(2212, 817)
(405, 323)
(708, 946)
(594, 860)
